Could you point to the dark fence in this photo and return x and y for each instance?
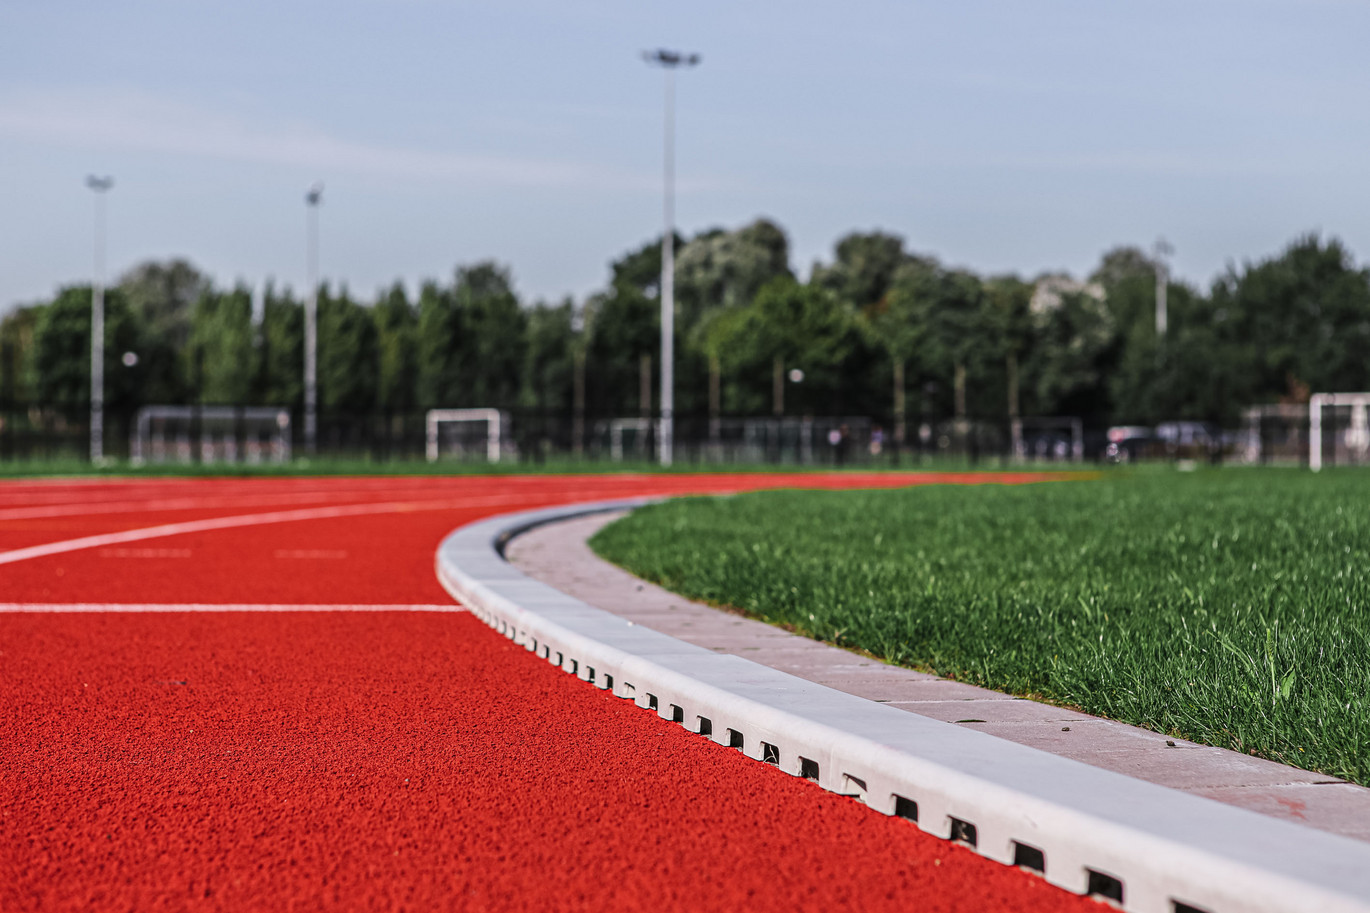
(253, 434)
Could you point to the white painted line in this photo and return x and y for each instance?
(1091, 830)
(45, 607)
(160, 502)
(45, 512)
(259, 519)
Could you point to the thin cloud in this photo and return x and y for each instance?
(144, 123)
(1208, 165)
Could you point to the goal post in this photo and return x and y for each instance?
(495, 429)
(228, 434)
(1356, 438)
(1040, 427)
(641, 428)
(1273, 432)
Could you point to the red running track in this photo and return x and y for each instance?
(378, 759)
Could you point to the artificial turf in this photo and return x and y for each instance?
(1230, 607)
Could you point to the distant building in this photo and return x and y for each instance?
(1051, 290)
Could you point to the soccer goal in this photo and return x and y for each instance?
(1274, 433)
(460, 432)
(216, 434)
(1048, 437)
(1338, 429)
(640, 430)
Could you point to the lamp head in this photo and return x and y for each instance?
(99, 184)
(665, 58)
(315, 194)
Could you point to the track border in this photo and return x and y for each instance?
(1087, 830)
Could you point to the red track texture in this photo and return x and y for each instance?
(389, 759)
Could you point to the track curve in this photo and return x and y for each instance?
(181, 757)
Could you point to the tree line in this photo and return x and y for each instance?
(878, 330)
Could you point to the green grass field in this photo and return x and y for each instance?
(1227, 607)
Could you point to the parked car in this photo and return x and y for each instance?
(1127, 443)
(1189, 440)
(1179, 440)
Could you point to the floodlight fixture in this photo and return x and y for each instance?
(665, 58)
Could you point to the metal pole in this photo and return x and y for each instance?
(1315, 432)
(311, 318)
(1162, 281)
(668, 60)
(666, 438)
(97, 324)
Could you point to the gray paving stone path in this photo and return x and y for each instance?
(558, 555)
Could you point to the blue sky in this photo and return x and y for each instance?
(1003, 135)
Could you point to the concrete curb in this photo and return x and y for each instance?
(1087, 830)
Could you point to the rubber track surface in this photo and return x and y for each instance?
(382, 760)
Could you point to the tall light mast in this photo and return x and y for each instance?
(100, 185)
(668, 61)
(1161, 250)
(311, 318)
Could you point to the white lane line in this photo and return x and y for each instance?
(44, 607)
(217, 523)
(326, 554)
(144, 553)
(82, 509)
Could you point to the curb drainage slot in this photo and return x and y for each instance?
(677, 714)
(854, 787)
(590, 674)
(651, 701)
(706, 726)
(629, 690)
(905, 808)
(735, 739)
(1179, 906)
(964, 832)
(770, 754)
(1106, 886)
(609, 682)
(1029, 857)
(808, 769)
(575, 666)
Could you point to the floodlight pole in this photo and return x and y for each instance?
(668, 61)
(97, 324)
(1161, 251)
(311, 318)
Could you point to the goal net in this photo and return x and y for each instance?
(1274, 433)
(1048, 437)
(627, 435)
(211, 434)
(467, 433)
(1338, 429)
